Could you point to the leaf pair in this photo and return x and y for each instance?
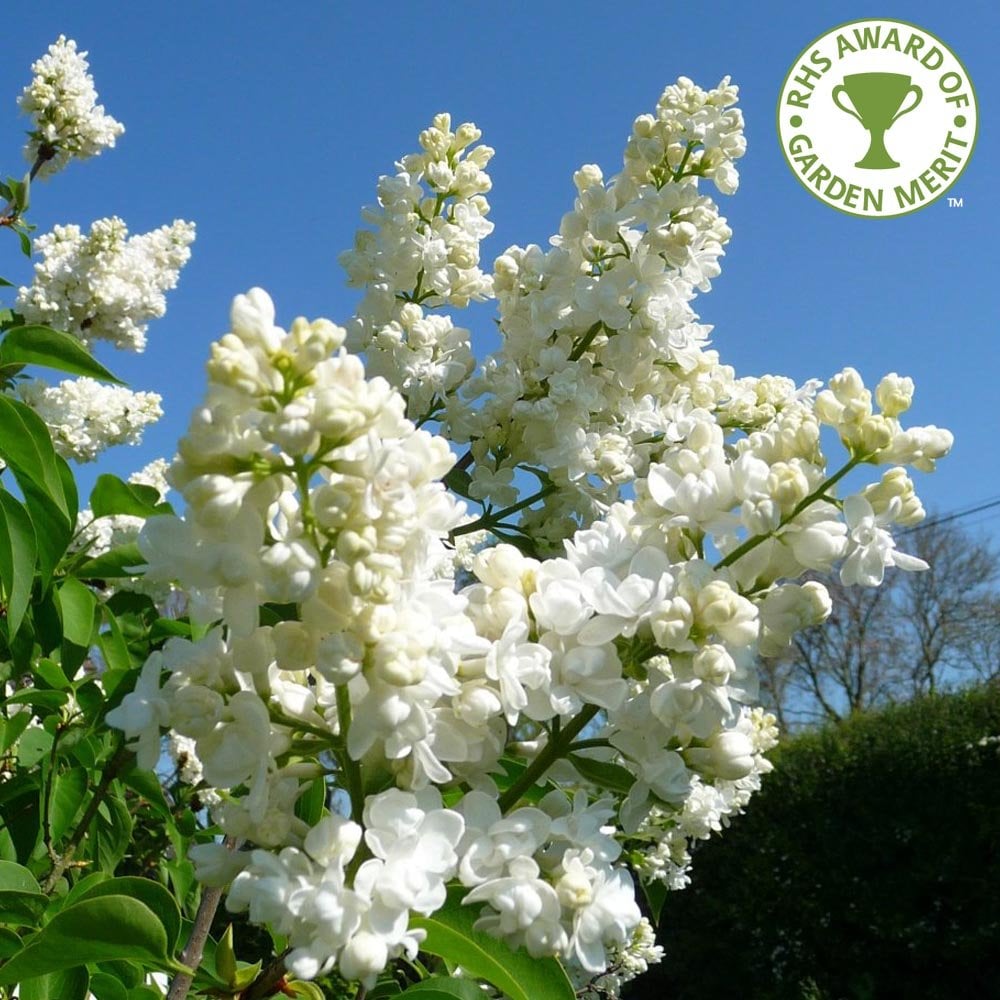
(121, 919)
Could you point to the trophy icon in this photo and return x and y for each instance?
(878, 100)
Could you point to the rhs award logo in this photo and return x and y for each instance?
(877, 118)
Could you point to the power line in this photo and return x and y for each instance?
(954, 515)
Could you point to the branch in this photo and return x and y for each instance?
(111, 772)
(195, 947)
(751, 543)
(550, 753)
(269, 981)
(494, 520)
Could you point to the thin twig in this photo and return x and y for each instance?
(111, 772)
(269, 981)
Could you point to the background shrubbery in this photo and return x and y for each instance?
(867, 867)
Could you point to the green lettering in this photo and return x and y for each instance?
(844, 46)
(866, 38)
(929, 181)
(908, 199)
(915, 42)
(873, 200)
(820, 174)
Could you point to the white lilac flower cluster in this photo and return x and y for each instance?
(423, 253)
(68, 121)
(509, 729)
(85, 416)
(602, 357)
(102, 286)
(105, 285)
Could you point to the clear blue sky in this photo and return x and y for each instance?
(267, 124)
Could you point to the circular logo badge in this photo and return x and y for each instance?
(877, 118)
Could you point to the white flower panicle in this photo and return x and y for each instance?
(68, 123)
(106, 285)
(422, 254)
(85, 417)
(358, 612)
(602, 352)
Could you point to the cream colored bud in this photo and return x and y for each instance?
(894, 394)
(728, 755)
(787, 483)
(671, 623)
(713, 664)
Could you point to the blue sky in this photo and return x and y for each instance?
(268, 124)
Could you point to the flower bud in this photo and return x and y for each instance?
(364, 957)
(894, 394)
(728, 755)
(712, 663)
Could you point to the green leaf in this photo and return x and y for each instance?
(225, 957)
(458, 481)
(120, 561)
(4, 283)
(154, 895)
(112, 495)
(40, 345)
(17, 878)
(21, 899)
(444, 988)
(128, 974)
(383, 990)
(83, 887)
(50, 701)
(450, 936)
(310, 991)
(17, 558)
(25, 242)
(68, 480)
(94, 930)
(147, 785)
(20, 192)
(70, 984)
(106, 987)
(68, 791)
(309, 806)
(656, 896)
(22, 909)
(76, 608)
(604, 774)
(26, 447)
(111, 833)
(53, 529)
(35, 744)
(9, 942)
(112, 643)
(50, 673)
(11, 729)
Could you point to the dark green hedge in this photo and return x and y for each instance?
(866, 867)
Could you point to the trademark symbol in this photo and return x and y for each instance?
(954, 202)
